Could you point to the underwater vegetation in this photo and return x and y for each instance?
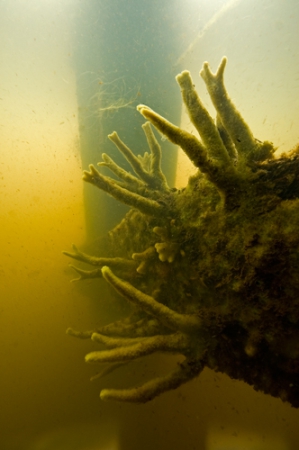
(211, 270)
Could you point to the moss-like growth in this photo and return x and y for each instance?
(212, 271)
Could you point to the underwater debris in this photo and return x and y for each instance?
(211, 271)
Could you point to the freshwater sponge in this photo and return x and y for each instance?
(212, 270)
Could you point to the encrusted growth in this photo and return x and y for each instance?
(211, 271)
